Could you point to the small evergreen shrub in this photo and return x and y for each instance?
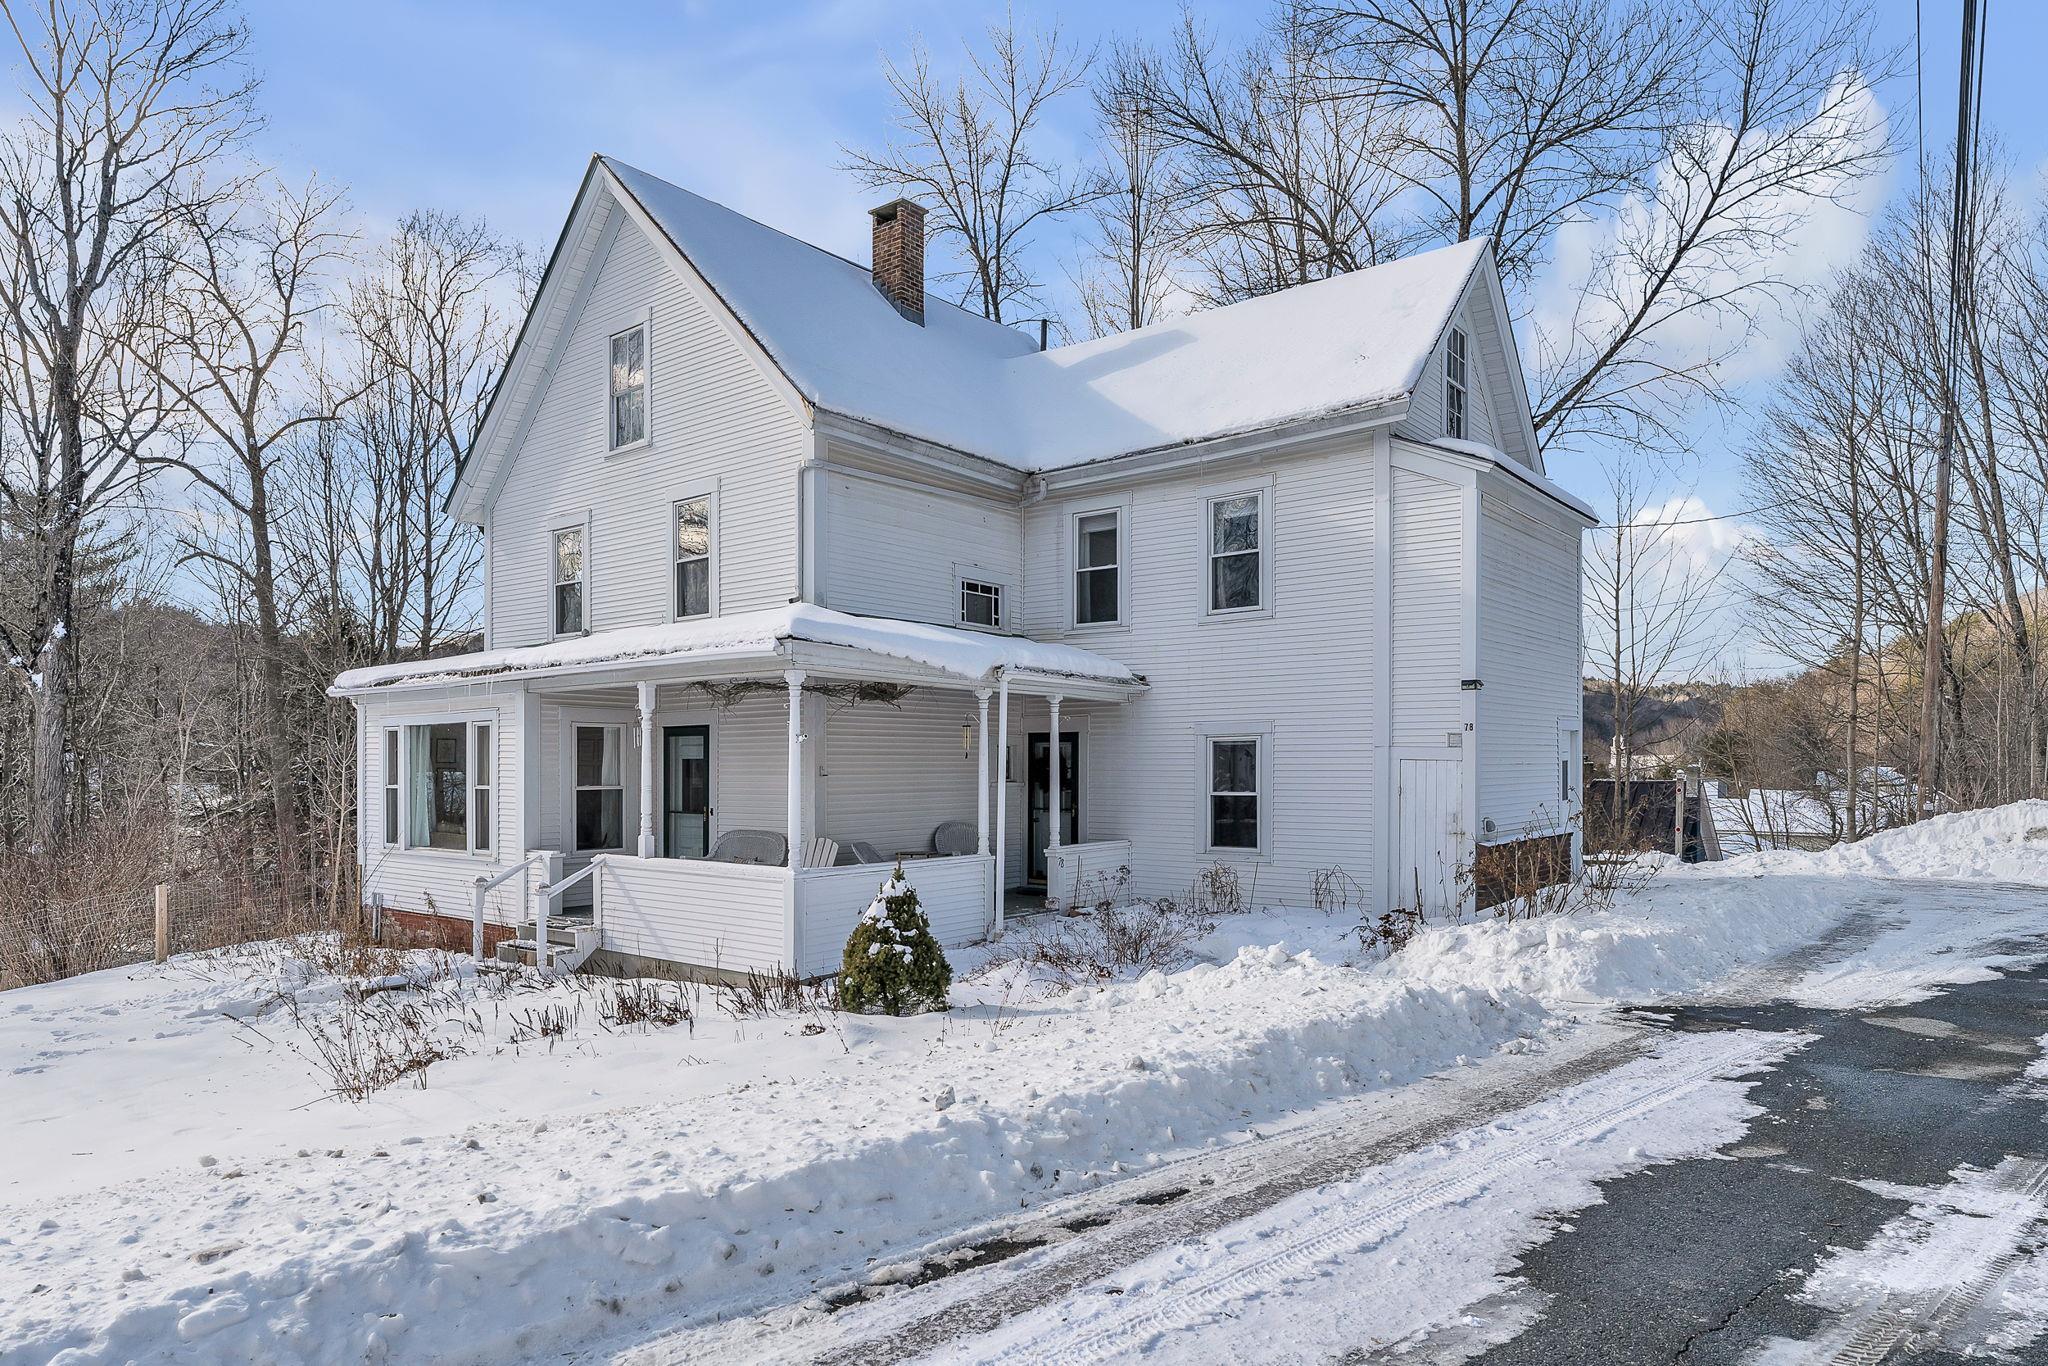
(892, 962)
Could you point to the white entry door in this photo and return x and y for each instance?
(1428, 810)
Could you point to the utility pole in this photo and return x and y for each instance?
(1935, 656)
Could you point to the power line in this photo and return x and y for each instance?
(1969, 105)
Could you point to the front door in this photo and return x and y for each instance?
(686, 791)
(1429, 804)
(1039, 786)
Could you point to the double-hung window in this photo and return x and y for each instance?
(1097, 552)
(981, 604)
(568, 567)
(693, 556)
(1454, 383)
(600, 787)
(446, 787)
(1234, 792)
(391, 787)
(480, 767)
(629, 387)
(1236, 579)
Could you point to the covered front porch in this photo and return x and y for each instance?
(730, 799)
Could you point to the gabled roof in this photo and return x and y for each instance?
(1350, 342)
(1354, 343)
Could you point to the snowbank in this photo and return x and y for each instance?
(2001, 844)
(179, 1189)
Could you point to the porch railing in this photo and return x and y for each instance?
(1082, 874)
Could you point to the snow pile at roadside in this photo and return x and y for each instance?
(525, 1199)
(1999, 844)
(1677, 933)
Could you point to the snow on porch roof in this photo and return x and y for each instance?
(1338, 345)
(973, 655)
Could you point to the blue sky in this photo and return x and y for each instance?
(491, 110)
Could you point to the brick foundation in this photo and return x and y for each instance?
(1501, 872)
(428, 930)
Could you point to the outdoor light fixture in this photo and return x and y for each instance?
(1471, 685)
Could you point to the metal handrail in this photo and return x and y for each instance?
(476, 900)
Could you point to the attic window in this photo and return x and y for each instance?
(629, 387)
(1454, 384)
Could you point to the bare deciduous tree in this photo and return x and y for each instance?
(125, 101)
(971, 149)
(248, 278)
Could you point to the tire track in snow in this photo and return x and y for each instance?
(1894, 1325)
(1626, 1093)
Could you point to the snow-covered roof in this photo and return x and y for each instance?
(973, 655)
(1337, 345)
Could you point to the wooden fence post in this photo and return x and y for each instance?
(163, 921)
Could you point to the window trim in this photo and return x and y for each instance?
(1264, 551)
(555, 632)
(486, 788)
(392, 760)
(965, 575)
(1261, 737)
(642, 321)
(709, 494)
(627, 812)
(1458, 348)
(1071, 557)
(1262, 488)
(469, 721)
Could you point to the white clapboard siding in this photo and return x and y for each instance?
(439, 879)
(953, 893)
(730, 916)
(1425, 418)
(893, 774)
(1529, 656)
(887, 549)
(1428, 609)
(715, 422)
(1300, 676)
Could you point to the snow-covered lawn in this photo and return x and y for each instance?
(180, 1179)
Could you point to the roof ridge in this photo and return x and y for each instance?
(618, 165)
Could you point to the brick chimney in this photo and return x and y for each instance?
(899, 256)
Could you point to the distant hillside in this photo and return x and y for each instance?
(1680, 712)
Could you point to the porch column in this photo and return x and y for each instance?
(647, 770)
(795, 679)
(1052, 796)
(1002, 788)
(981, 696)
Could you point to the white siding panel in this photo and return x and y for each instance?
(715, 419)
(1485, 368)
(893, 551)
(440, 880)
(1529, 656)
(1429, 609)
(894, 773)
(953, 893)
(713, 915)
(1300, 675)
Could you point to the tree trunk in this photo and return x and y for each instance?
(276, 720)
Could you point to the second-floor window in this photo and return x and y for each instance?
(1454, 384)
(1097, 593)
(981, 604)
(693, 557)
(569, 581)
(629, 387)
(1235, 580)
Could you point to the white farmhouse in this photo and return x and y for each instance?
(792, 571)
